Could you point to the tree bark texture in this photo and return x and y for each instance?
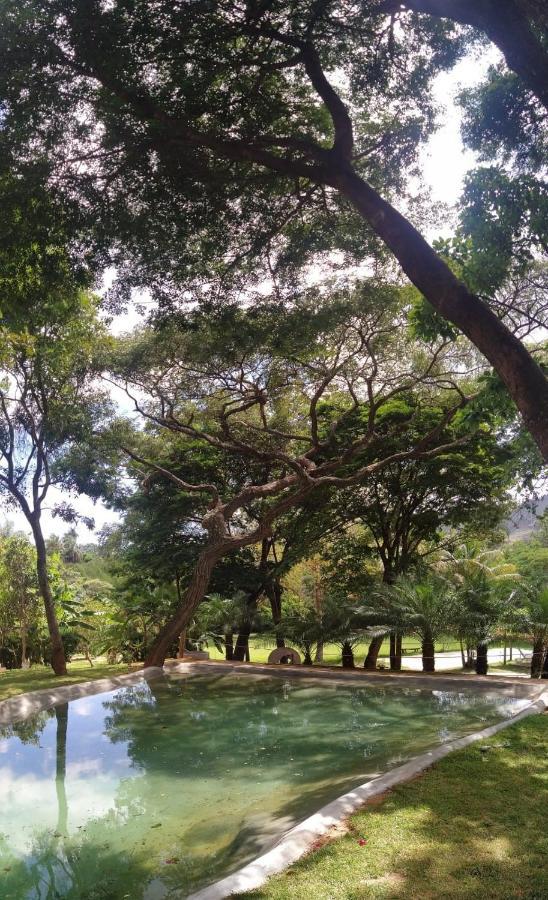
(395, 651)
(274, 593)
(482, 664)
(537, 658)
(347, 656)
(522, 376)
(428, 654)
(506, 24)
(370, 661)
(193, 595)
(58, 660)
(241, 649)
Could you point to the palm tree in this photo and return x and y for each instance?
(536, 625)
(424, 608)
(302, 627)
(379, 617)
(218, 619)
(485, 594)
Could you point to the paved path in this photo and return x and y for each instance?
(452, 660)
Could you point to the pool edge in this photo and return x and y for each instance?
(299, 840)
(22, 706)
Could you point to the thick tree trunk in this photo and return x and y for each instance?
(395, 651)
(241, 650)
(318, 656)
(481, 659)
(347, 656)
(193, 595)
(522, 376)
(370, 661)
(182, 644)
(274, 592)
(58, 661)
(229, 645)
(428, 654)
(506, 25)
(307, 660)
(537, 658)
(23, 646)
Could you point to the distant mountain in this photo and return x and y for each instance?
(524, 520)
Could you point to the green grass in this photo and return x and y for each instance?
(18, 681)
(473, 826)
(94, 569)
(261, 647)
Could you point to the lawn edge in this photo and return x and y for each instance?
(300, 840)
(20, 707)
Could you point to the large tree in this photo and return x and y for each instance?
(517, 27)
(287, 409)
(49, 401)
(412, 508)
(199, 133)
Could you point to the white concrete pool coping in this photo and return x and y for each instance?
(301, 838)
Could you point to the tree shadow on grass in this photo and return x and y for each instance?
(473, 826)
(165, 739)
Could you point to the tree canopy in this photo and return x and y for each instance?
(200, 136)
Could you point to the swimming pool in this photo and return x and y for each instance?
(153, 790)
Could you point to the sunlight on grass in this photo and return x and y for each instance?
(474, 825)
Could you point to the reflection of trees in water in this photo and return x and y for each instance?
(61, 714)
(57, 865)
(191, 733)
(245, 724)
(30, 730)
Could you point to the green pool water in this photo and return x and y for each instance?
(153, 790)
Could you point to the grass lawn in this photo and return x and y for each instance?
(260, 648)
(473, 826)
(18, 681)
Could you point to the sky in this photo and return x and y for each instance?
(444, 162)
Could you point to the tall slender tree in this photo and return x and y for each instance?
(48, 402)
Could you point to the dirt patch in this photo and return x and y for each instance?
(391, 879)
(335, 831)
(378, 799)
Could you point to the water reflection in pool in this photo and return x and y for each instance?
(149, 791)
